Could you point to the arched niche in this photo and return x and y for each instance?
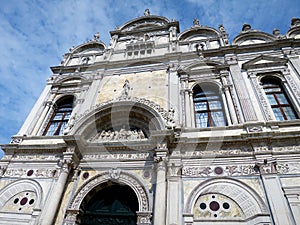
(104, 180)
(224, 192)
(16, 187)
(136, 115)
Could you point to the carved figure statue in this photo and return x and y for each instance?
(196, 22)
(126, 88)
(121, 135)
(147, 12)
(97, 36)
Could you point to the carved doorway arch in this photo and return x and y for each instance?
(114, 176)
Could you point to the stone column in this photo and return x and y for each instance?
(188, 121)
(263, 101)
(41, 119)
(174, 195)
(241, 89)
(57, 193)
(292, 194)
(160, 191)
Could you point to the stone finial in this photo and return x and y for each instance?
(276, 32)
(295, 22)
(246, 27)
(97, 36)
(147, 12)
(196, 22)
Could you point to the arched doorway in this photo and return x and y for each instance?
(110, 204)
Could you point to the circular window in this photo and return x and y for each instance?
(226, 205)
(23, 201)
(202, 206)
(214, 206)
(86, 175)
(31, 201)
(16, 200)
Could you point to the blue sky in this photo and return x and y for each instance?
(34, 34)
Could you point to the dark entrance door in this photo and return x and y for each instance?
(113, 205)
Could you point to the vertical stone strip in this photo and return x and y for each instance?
(161, 186)
(174, 203)
(241, 89)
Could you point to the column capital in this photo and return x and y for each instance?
(143, 218)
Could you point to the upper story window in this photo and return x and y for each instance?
(208, 107)
(60, 117)
(279, 101)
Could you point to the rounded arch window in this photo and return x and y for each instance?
(60, 117)
(278, 99)
(208, 106)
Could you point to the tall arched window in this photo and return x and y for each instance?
(208, 106)
(279, 101)
(60, 117)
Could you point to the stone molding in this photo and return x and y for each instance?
(118, 176)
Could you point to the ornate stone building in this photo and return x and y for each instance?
(162, 127)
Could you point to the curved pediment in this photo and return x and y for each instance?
(249, 36)
(201, 67)
(199, 33)
(145, 23)
(90, 47)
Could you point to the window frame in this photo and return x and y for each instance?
(274, 82)
(65, 107)
(215, 97)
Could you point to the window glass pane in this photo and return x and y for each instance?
(200, 106)
(67, 115)
(52, 128)
(272, 99)
(58, 116)
(289, 113)
(63, 125)
(215, 105)
(281, 98)
(278, 114)
(218, 118)
(202, 120)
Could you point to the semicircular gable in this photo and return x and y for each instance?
(144, 23)
(253, 37)
(198, 33)
(89, 47)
